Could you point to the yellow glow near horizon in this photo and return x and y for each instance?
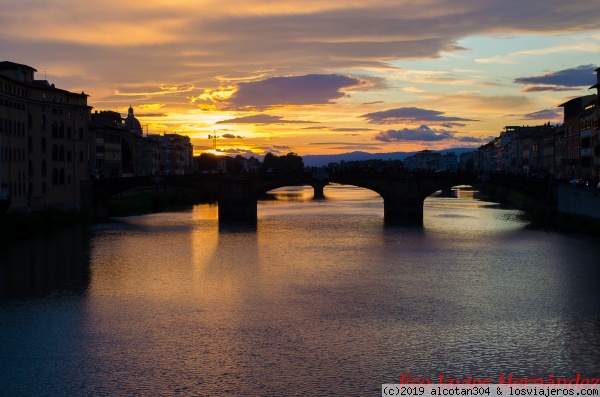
(283, 76)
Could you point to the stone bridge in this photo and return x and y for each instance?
(237, 194)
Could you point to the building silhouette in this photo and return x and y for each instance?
(50, 141)
(43, 139)
(567, 151)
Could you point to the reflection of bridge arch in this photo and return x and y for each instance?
(237, 194)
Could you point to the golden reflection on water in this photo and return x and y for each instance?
(442, 209)
(331, 192)
(320, 297)
(216, 280)
(126, 259)
(291, 193)
(294, 212)
(205, 211)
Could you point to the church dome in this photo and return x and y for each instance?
(132, 124)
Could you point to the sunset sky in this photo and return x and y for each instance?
(314, 77)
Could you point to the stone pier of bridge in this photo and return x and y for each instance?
(238, 198)
(237, 194)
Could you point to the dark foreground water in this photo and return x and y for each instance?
(319, 299)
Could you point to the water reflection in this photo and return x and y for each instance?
(289, 194)
(43, 264)
(320, 297)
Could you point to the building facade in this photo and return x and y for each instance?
(44, 149)
(595, 129)
(123, 150)
(425, 160)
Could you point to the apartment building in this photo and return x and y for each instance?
(425, 160)
(44, 149)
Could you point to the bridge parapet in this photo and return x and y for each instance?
(403, 193)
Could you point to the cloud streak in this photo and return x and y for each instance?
(276, 92)
(413, 115)
(580, 76)
(260, 119)
(424, 134)
(346, 64)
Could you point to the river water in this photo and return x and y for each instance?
(320, 298)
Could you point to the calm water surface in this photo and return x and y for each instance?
(321, 298)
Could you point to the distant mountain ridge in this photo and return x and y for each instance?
(318, 160)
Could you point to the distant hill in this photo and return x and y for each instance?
(317, 160)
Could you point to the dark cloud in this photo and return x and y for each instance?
(189, 47)
(233, 151)
(548, 88)
(231, 136)
(221, 43)
(340, 129)
(275, 149)
(413, 115)
(580, 76)
(151, 115)
(295, 90)
(546, 114)
(326, 143)
(260, 119)
(346, 146)
(345, 36)
(423, 133)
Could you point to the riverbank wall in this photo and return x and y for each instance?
(572, 200)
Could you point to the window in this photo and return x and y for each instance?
(586, 143)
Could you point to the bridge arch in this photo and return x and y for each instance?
(97, 193)
(237, 194)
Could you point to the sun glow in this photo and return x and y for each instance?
(277, 76)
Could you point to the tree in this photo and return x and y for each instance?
(289, 162)
(207, 162)
(292, 162)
